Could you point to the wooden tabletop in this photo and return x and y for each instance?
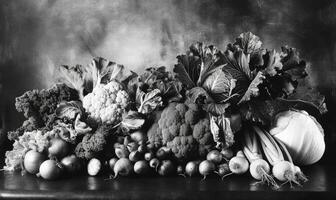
(321, 185)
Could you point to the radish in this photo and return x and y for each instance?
(149, 156)
(259, 168)
(223, 170)
(227, 154)
(50, 170)
(123, 167)
(121, 151)
(191, 168)
(166, 168)
(238, 164)
(215, 156)
(32, 161)
(180, 170)
(139, 136)
(72, 164)
(94, 167)
(112, 162)
(141, 167)
(300, 175)
(135, 156)
(132, 146)
(58, 148)
(163, 153)
(154, 163)
(205, 168)
(282, 170)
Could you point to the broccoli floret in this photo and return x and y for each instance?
(92, 144)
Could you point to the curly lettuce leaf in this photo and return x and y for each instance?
(292, 63)
(272, 63)
(188, 70)
(248, 42)
(69, 110)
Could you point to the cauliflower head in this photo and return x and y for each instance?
(106, 103)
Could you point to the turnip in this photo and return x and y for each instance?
(123, 167)
(166, 168)
(223, 170)
(121, 151)
(139, 136)
(206, 167)
(215, 156)
(50, 170)
(163, 153)
(191, 168)
(32, 161)
(259, 168)
(132, 146)
(112, 162)
(227, 154)
(149, 156)
(180, 170)
(141, 167)
(154, 163)
(282, 170)
(135, 156)
(142, 148)
(238, 164)
(94, 167)
(299, 175)
(58, 148)
(72, 164)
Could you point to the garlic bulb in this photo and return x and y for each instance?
(302, 135)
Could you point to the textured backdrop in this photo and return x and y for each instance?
(37, 35)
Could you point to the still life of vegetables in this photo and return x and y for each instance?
(245, 109)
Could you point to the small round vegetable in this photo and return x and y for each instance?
(142, 148)
(163, 153)
(135, 156)
(154, 163)
(149, 156)
(260, 170)
(227, 153)
(72, 164)
(141, 167)
(299, 175)
(112, 162)
(167, 168)
(123, 167)
(58, 148)
(180, 170)
(132, 146)
(191, 168)
(223, 170)
(50, 170)
(94, 167)
(33, 160)
(284, 171)
(215, 156)
(121, 151)
(139, 136)
(206, 167)
(239, 164)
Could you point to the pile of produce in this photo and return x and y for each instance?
(227, 112)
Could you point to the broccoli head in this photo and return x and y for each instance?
(176, 130)
(92, 144)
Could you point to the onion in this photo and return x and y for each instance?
(33, 160)
(301, 134)
(50, 170)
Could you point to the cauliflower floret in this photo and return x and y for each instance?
(202, 134)
(106, 103)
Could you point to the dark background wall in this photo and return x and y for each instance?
(37, 35)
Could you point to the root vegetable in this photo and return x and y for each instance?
(121, 151)
(166, 168)
(149, 156)
(123, 167)
(58, 148)
(135, 156)
(154, 163)
(215, 156)
(191, 168)
(72, 164)
(50, 170)
(94, 167)
(141, 167)
(112, 162)
(238, 164)
(32, 161)
(206, 167)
